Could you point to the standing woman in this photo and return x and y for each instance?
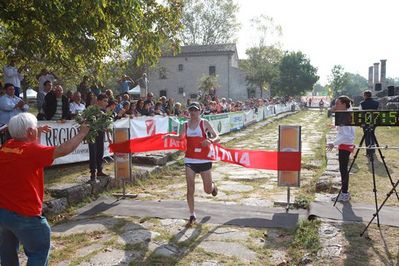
(196, 131)
(345, 141)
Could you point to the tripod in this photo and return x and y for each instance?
(370, 133)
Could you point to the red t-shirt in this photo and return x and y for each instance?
(21, 176)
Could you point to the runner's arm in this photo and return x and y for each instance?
(214, 136)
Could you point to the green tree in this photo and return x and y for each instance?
(80, 36)
(261, 67)
(319, 89)
(208, 84)
(297, 75)
(337, 80)
(209, 21)
(355, 85)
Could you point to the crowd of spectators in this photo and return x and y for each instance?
(53, 103)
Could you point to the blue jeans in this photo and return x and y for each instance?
(32, 232)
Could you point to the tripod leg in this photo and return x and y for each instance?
(382, 205)
(385, 165)
(350, 167)
(375, 189)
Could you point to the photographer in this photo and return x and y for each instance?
(368, 104)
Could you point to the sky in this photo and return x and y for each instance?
(351, 33)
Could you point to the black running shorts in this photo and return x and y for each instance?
(199, 167)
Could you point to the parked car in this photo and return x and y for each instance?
(393, 103)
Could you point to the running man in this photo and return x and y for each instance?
(199, 134)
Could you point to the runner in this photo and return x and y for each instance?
(321, 105)
(196, 131)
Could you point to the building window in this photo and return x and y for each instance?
(181, 90)
(162, 93)
(212, 71)
(193, 96)
(180, 67)
(162, 73)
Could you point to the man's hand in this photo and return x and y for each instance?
(20, 104)
(44, 129)
(84, 129)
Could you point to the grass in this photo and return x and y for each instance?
(306, 240)
(361, 181)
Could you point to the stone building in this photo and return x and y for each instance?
(178, 76)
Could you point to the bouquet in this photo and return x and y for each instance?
(96, 120)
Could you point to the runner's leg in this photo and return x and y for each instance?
(207, 181)
(190, 178)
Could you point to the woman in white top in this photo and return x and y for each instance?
(345, 142)
(196, 131)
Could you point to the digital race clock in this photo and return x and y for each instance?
(367, 118)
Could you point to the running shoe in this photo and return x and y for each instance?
(215, 189)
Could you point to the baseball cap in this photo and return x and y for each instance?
(194, 105)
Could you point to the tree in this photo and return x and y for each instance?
(337, 79)
(318, 89)
(297, 75)
(355, 85)
(209, 21)
(268, 33)
(209, 84)
(261, 67)
(79, 36)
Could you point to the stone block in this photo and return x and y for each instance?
(73, 192)
(55, 206)
(153, 159)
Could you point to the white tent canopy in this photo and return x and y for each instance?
(30, 94)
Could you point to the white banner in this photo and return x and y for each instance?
(259, 114)
(236, 120)
(249, 117)
(60, 133)
(148, 125)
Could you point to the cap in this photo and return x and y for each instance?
(194, 105)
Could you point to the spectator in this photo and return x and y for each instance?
(48, 86)
(110, 94)
(56, 105)
(178, 111)
(83, 87)
(69, 95)
(22, 160)
(10, 105)
(95, 88)
(111, 108)
(12, 75)
(158, 109)
(91, 99)
(369, 104)
(44, 76)
(96, 149)
(76, 106)
(125, 84)
(170, 107)
(124, 111)
(147, 110)
(162, 99)
(140, 107)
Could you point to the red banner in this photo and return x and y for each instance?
(269, 160)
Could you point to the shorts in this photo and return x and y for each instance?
(199, 167)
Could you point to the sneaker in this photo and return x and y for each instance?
(342, 197)
(215, 189)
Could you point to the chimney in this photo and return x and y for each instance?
(371, 84)
(376, 73)
(383, 74)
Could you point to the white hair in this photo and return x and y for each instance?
(18, 125)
